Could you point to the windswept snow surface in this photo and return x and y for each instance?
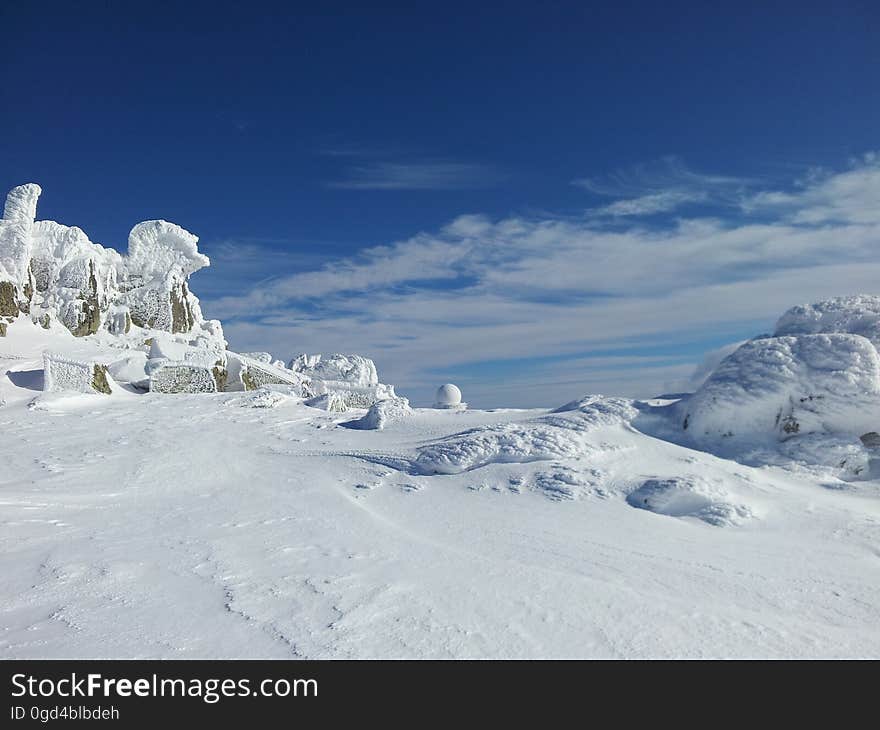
(251, 525)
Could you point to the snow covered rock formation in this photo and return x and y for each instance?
(140, 302)
(819, 374)
(54, 273)
(352, 379)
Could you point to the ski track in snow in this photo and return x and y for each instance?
(186, 526)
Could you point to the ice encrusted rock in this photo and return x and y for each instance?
(53, 272)
(774, 388)
(336, 369)
(182, 377)
(21, 203)
(855, 315)
(353, 378)
(382, 413)
(16, 281)
(167, 351)
(808, 393)
(62, 374)
(249, 373)
(160, 251)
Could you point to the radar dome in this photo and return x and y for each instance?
(448, 395)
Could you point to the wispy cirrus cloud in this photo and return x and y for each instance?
(426, 175)
(660, 187)
(479, 291)
(382, 167)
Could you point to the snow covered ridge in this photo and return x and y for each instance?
(567, 433)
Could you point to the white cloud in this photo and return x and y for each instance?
(652, 203)
(480, 291)
(852, 196)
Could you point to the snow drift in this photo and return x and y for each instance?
(563, 434)
(381, 413)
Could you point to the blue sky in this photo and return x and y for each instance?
(533, 200)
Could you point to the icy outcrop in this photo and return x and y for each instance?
(382, 413)
(75, 280)
(52, 272)
(856, 315)
(352, 378)
(775, 388)
(182, 377)
(249, 373)
(161, 257)
(159, 251)
(16, 280)
(354, 396)
(21, 203)
(55, 276)
(809, 393)
(167, 351)
(336, 369)
(62, 374)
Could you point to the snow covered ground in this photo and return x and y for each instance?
(249, 524)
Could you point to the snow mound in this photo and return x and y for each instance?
(691, 497)
(562, 436)
(262, 398)
(381, 413)
(562, 483)
(776, 388)
(131, 368)
(600, 410)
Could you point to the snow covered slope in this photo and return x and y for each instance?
(249, 524)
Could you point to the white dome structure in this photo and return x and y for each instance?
(449, 396)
